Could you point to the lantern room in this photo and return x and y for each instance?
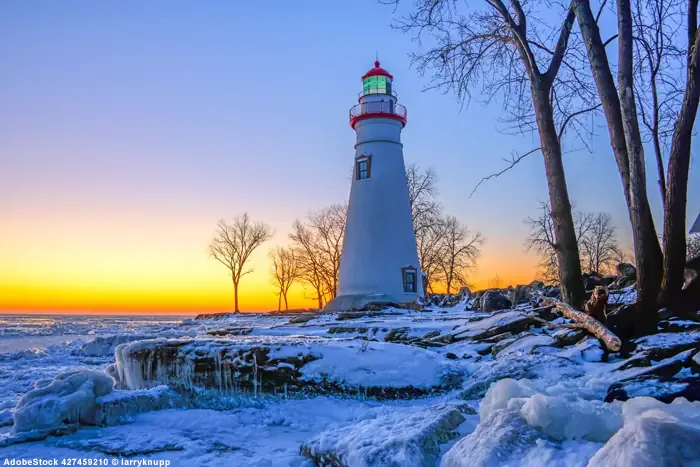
(376, 81)
(377, 98)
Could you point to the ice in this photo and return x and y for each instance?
(379, 364)
(500, 439)
(501, 392)
(393, 438)
(654, 434)
(68, 400)
(269, 363)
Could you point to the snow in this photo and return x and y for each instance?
(654, 434)
(397, 437)
(378, 364)
(557, 416)
(67, 400)
(538, 405)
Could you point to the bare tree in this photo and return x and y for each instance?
(234, 242)
(284, 270)
(675, 203)
(502, 52)
(600, 251)
(591, 238)
(460, 250)
(318, 244)
(693, 246)
(657, 62)
(422, 194)
(626, 141)
(427, 220)
(496, 282)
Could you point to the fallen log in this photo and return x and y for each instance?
(589, 323)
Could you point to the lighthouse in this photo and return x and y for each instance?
(379, 262)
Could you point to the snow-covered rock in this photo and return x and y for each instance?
(66, 401)
(392, 439)
(558, 417)
(500, 439)
(654, 435)
(252, 364)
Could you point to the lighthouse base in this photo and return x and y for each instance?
(356, 302)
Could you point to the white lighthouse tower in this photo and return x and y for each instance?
(380, 260)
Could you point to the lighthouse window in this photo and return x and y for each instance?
(362, 168)
(409, 280)
(376, 85)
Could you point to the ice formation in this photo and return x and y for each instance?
(392, 438)
(66, 401)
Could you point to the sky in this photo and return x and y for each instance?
(128, 129)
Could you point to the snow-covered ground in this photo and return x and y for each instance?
(393, 388)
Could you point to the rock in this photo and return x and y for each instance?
(639, 384)
(518, 366)
(536, 285)
(451, 356)
(63, 403)
(626, 269)
(621, 321)
(662, 435)
(664, 345)
(512, 322)
(664, 390)
(215, 316)
(591, 281)
(121, 406)
(498, 440)
(464, 293)
(607, 280)
(230, 332)
(281, 365)
(526, 343)
(552, 292)
(519, 294)
(567, 337)
(398, 335)
(303, 318)
(391, 439)
(494, 300)
(347, 330)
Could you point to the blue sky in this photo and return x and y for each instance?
(142, 118)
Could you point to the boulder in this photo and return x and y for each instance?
(536, 285)
(390, 439)
(512, 322)
(57, 405)
(282, 365)
(494, 300)
(552, 292)
(500, 439)
(653, 435)
(519, 294)
(664, 345)
(626, 269)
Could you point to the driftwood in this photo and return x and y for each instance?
(589, 323)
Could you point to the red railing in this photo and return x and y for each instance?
(386, 109)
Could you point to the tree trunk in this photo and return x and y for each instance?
(235, 297)
(678, 167)
(286, 305)
(570, 280)
(279, 302)
(646, 245)
(656, 140)
(647, 249)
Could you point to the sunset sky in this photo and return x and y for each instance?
(127, 129)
